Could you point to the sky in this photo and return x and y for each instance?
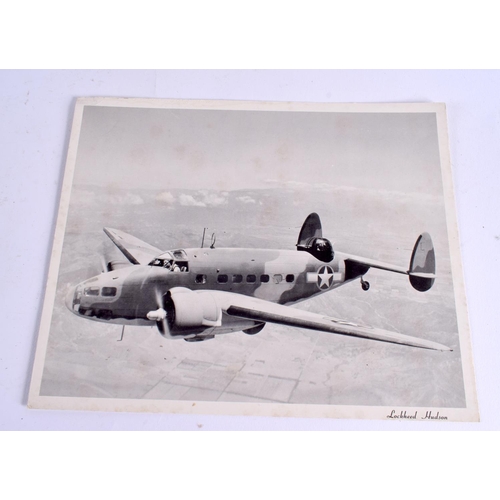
(226, 150)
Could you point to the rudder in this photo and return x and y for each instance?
(310, 229)
(423, 264)
(311, 239)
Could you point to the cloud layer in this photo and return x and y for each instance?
(200, 198)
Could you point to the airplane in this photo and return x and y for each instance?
(197, 293)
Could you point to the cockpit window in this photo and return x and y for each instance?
(179, 254)
(157, 262)
(108, 291)
(91, 290)
(170, 264)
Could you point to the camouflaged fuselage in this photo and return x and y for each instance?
(125, 296)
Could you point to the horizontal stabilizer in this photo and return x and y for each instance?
(422, 271)
(361, 261)
(423, 275)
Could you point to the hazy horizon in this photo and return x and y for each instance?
(230, 150)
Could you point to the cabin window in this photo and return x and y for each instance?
(182, 265)
(200, 279)
(222, 278)
(251, 278)
(278, 278)
(108, 291)
(237, 278)
(92, 290)
(290, 278)
(264, 278)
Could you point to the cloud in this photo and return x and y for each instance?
(186, 200)
(91, 198)
(211, 199)
(354, 190)
(322, 186)
(127, 199)
(203, 199)
(246, 199)
(166, 198)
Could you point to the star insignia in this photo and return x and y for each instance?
(325, 277)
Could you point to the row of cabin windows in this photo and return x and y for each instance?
(200, 279)
(106, 291)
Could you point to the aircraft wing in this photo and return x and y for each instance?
(268, 312)
(136, 250)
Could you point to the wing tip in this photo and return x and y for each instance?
(438, 347)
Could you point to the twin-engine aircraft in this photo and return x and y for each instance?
(197, 293)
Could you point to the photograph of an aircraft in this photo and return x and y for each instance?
(197, 293)
(256, 258)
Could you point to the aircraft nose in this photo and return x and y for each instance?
(71, 299)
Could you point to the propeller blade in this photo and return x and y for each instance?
(160, 315)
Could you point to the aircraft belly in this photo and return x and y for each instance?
(119, 320)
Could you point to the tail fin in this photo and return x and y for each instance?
(311, 239)
(423, 264)
(310, 229)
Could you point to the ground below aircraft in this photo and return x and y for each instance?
(197, 293)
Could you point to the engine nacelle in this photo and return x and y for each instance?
(191, 311)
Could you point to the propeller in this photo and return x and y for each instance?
(160, 315)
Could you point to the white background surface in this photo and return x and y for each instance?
(35, 120)
(268, 34)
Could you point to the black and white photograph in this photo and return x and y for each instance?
(257, 258)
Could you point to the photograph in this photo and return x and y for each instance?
(257, 258)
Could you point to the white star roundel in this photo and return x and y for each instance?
(325, 277)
